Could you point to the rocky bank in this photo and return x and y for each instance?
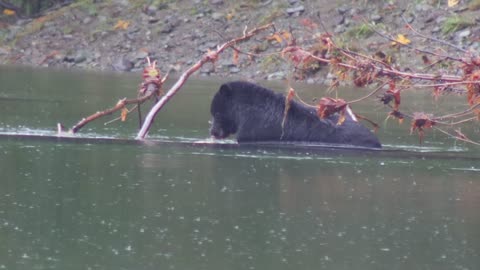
(119, 34)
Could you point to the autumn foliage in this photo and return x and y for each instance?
(380, 69)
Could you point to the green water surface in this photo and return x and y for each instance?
(88, 205)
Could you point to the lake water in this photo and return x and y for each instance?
(83, 203)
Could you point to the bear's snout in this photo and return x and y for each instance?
(215, 131)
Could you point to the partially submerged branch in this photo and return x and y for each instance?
(150, 87)
(210, 56)
(120, 105)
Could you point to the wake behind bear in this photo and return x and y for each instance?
(255, 114)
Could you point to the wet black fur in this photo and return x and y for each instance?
(255, 114)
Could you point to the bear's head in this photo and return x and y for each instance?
(223, 123)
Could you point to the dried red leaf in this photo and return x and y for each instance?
(420, 122)
(386, 98)
(398, 115)
(290, 95)
(437, 91)
(426, 60)
(472, 66)
(395, 94)
(476, 61)
(473, 89)
(212, 55)
(288, 102)
(341, 117)
(235, 57)
(329, 106)
(365, 74)
(277, 37)
(358, 80)
(151, 76)
(325, 38)
(295, 54)
(123, 114)
(391, 95)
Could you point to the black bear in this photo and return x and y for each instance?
(255, 114)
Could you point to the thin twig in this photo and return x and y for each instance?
(442, 84)
(348, 53)
(463, 121)
(432, 38)
(382, 71)
(303, 102)
(454, 115)
(370, 94)
(457, 137)
(434, 63)
(415, 49)
(255, 54)
(120, 104)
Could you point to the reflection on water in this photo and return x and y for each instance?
(88, 205)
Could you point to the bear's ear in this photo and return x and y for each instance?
(225, 90)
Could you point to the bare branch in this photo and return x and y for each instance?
(370, 94)
(207, 57)
(120, 105)
(460, 136)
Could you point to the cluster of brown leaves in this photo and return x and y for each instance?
(364, 70)
(152, 79)
(329, 106)
(420, 122)
(365, 74)
(296, 55)
(306, 60)
(471, 72)
(392, 95)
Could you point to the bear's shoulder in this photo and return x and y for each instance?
(243, 90)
